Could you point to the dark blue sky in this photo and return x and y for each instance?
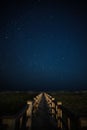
(43, 45)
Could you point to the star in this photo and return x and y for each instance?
(18, 28)
(35, 64)
(20, 59)
(50, 67)
(61, 76)
(62, 58)
(6, 37)
(51, 17)
(43, 67)
(38, 0)
(35, 55)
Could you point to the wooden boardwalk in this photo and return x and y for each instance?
(42, 120)
(44, 113)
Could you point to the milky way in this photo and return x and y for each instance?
(43, 45)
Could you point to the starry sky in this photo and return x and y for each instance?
(43, 45)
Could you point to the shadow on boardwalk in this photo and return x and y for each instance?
(41, 120)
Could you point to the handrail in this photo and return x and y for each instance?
(65, 118)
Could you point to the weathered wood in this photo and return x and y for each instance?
(64, 117)
(29, 115)
(59, 112)
(53, 107)
(42, 120)
(68, 123)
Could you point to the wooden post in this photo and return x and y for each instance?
(59, 113)
(21, 118)
(29, 115)
(53, 107)
(68, 122)
(10, 122)
(56, 111)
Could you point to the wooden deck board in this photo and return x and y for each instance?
(41, 119)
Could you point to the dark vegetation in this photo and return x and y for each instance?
(74, 101)
(13, 102)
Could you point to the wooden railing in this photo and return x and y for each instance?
(13, 122)
(23, 119)
(65, 119)
(36, 102)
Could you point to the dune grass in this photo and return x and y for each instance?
(74, 101)
(13, 102)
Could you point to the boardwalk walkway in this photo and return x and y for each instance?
(41, 119)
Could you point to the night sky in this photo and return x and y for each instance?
(43, 45)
